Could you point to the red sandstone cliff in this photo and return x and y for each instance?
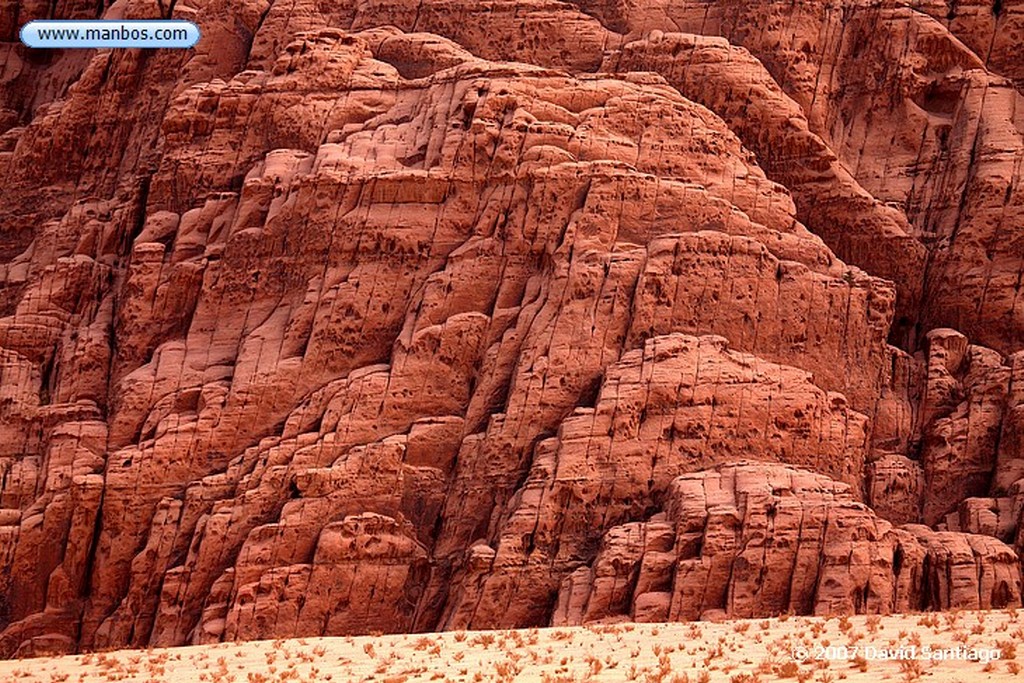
(416, 314)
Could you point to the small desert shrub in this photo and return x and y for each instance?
(788, 670)
(745, 678)
(483, 640)
(911, 669)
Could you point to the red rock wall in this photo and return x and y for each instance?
(397, 316)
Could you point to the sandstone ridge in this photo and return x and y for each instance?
(405, 316)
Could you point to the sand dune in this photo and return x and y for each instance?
(951, 647)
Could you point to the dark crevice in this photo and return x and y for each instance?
(256, 31)
(46, 385)
(90, 558)
(140, 210)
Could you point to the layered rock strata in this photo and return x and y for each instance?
(399, 316)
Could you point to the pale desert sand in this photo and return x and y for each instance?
(740, 651)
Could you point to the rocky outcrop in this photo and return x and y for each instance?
(680, 404)
(391, 315)
(961, 421)
(753, 539)
(896, 488)
(365, 574)
(929, 125)
(830, 201)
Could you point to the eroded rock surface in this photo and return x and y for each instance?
(392, 315)
(749, 539)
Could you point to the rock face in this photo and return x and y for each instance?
(393, 316)
(755, 539)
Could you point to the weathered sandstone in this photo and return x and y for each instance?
(391, 316)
